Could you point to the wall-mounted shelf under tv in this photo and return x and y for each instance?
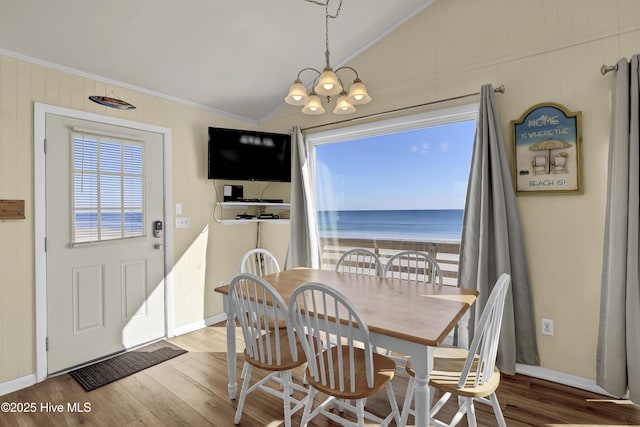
(255, 212)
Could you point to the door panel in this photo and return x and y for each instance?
(88, 299)
(105, 267)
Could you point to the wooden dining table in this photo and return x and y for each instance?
(402, 316)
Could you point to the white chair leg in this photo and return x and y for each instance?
(287, 391)
(408, 398)
(462, 410)
(244, 371)
(307, 407)
(496, 409)
(471, 413)
(439, 404)
(243, 393)
(360, 412)
(394, 403)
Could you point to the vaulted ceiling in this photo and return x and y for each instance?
(237, 57)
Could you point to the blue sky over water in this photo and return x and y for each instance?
(419, 169)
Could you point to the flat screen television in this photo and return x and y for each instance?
(245, 155)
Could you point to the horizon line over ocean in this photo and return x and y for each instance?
(389, 224)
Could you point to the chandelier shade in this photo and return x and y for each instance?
(313, 105)
(297, 94)
(358, 93)
(343, 106)
(327, 83)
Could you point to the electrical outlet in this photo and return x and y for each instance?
(547, 327)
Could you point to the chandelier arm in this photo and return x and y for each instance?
(348, 68)
(308, 68)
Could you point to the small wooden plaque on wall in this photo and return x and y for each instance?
(11, 209)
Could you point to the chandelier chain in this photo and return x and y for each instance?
(327, 15)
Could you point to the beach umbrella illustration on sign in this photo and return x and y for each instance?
(548, 145)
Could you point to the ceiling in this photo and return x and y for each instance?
(237, 57)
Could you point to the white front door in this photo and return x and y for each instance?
(105, 263)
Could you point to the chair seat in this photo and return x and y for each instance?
(270, 322)
(383, 371)
(448, 363)
(286, 362)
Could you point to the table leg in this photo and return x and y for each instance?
(463, 331)
(422, 400)
(231, 354)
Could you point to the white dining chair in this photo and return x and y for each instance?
(469, 374)
(273, 349)
(260, 262)
(359, 261)
(347, 371)
(415, 267)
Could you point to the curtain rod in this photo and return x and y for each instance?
(606, 68)
(499, 89)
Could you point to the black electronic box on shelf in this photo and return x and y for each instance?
(268, 216)
(245, 216)
(259, 201)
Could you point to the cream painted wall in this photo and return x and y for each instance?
(541, 51)
(205, 254)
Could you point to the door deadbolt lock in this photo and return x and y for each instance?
(157, 228)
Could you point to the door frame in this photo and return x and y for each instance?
(40, 112)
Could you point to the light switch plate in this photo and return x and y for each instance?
(183, 222)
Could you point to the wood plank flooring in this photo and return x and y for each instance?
(191, 390)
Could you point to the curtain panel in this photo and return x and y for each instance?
(492, 241)
(304, 246)
(618, 352)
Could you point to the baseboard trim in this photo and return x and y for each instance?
(199, 324)
(17, 384)
(561, 378)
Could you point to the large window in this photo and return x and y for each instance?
(401, 179)
(108, 190)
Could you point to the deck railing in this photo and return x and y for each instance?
(447, 253)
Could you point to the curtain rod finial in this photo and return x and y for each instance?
(606, 68)
(499, 89)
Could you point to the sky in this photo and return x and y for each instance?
(420, 169)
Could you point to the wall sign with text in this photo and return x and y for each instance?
(547, 150)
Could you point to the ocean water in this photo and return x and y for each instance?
(110, 220)
(414, 225)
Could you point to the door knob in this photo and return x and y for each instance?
(157, 246)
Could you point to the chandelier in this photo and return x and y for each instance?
(327, 82)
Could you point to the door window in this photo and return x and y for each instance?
(108, 191)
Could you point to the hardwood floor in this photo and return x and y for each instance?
(191, 390)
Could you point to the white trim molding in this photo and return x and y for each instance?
(561, 378)
(200, 324)
(17, 384)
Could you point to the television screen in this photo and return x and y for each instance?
(249, 155)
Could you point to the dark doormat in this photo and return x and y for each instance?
(102, 373)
